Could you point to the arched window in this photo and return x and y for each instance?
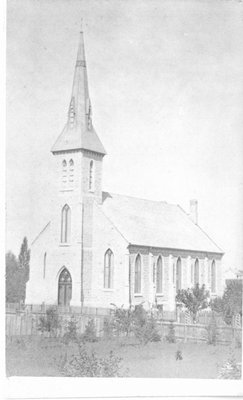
(64, 288)
(91, 175)
(213, 277)
(192, 270)
(71, 170)
(159, 276)
(66, 224)
(108, 269)
(178, 274)
(137, 275)
(64, 171)
(196, 272)
(44, 266)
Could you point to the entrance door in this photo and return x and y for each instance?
(64, 288)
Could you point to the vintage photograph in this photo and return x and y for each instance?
(124, 189)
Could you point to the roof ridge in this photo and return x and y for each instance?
(141, 198)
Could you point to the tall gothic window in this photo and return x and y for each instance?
(178, 274)
(196, 272)
(66, 224)
(213, 277)
(91, 175)
(159, 276)
(137, 275)
(108, 269)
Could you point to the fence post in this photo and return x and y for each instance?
(185, 332)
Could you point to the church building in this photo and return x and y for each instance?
(101, 248)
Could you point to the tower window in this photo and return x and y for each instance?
(71, 170)
(108, 269)
(159, 276)
(66, 224)
(64, 171)
(91, 175)
(137, 275)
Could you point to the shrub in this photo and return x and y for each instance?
(71, 334)
(171, 338)
(90, 365)
(49, 322)
(122, 320)
(89, 334)
(146, 330)
(230, 368)
(194, 299)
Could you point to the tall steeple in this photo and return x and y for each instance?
(79, 133)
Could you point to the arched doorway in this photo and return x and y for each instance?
(64, 288)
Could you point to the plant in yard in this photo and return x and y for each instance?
(194, 299)
(179, 355)
(49, 322)
(122, 320)
(89, 334)
(211, 328)
(71, 334)
(230, 304)
(146, 330)
(171, 338)
(230, 368)
(90, 365)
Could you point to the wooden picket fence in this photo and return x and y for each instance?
(22, 323)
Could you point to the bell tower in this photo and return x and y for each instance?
(79, 153)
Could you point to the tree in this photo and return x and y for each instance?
(17, 273)
(230, 303)
(12, 278)
(194, 299)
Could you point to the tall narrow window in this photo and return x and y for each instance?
(192, 270)
(159, 276)
(64, 172)
(213, 277)
(178, 274)
(137, 275)
(108, 269)
(44, 266)
(196, 272)
(91, 175)
(71, 171)
(66, 224)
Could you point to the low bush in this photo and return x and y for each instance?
(71, 334)
(90, 365)
(230, 368)
(89, 334)
(49, 322)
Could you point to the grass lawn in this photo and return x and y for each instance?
(40, 357)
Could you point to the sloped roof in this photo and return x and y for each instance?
(155, 224)
(72, 139)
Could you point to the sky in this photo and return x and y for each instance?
(166, 87)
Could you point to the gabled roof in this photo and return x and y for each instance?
(155, 224)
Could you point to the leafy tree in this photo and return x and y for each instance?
(230, 303)
(194, 299)
(24, 259)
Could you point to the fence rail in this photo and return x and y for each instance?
(24, 323)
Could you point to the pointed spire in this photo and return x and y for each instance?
(79, 131)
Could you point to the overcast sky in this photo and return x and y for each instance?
(166, 88)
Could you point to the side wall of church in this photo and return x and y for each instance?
(106, 236)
